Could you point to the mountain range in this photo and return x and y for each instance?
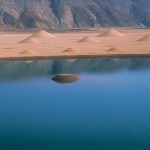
(74, 13)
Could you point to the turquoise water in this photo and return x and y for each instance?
(108, 108)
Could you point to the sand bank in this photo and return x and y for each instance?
(118, 42)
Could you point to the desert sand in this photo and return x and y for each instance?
(88, 39)
(27, 52)
(71, 50)
(103, 42)
(42, 34)
(111, 33)
(29, 40)
(144, 39)
(114, 49)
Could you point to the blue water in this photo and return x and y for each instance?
(108, 108)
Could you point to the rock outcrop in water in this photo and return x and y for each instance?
(65, 78)
(73, 13)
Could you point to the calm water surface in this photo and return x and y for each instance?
(108, 108)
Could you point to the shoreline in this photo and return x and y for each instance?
(118, 56)
(102, 43)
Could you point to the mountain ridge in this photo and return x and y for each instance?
(74, 13)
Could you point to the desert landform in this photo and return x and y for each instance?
(117, 42)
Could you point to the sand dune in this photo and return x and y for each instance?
(111, 33)
(51, 48)
(42, 34)
(27, 52)
(113, 49)
(29, 40)
(88, 39)
(144, 39)
(71, 50)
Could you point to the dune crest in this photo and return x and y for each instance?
(144, 39)
(42, 34)
(71, 50)
(114, 49)
(29, 40)
(88, 39)
(111, 33)
(27, 52)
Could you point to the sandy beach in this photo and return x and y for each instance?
(105, 42)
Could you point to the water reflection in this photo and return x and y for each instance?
(107, 109)
(19, 70)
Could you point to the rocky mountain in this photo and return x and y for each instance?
(73, 13)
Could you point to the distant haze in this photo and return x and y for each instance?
(74, 13)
